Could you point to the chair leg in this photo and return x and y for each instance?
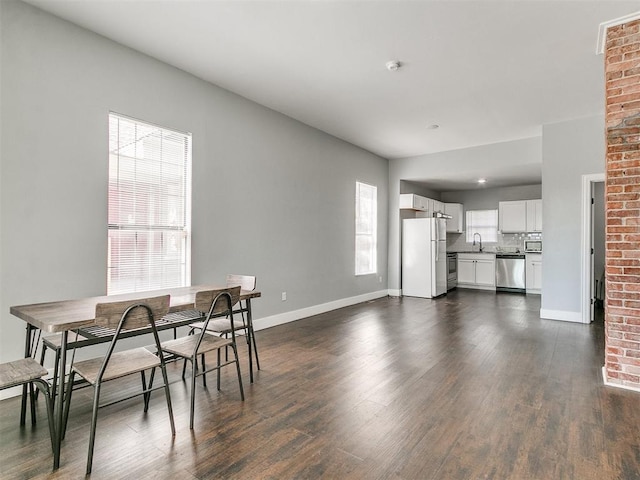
(184, 368)
(204, 371)
(44, 386)
(32, 400)
(54, 383)
(94, 422)
(148, 395)
(23, 405)
(235, 352)
(255, 347)
(194, 363)
(168, 396)
(218, 383)
(184, 364)
(67, 405)
(42, 355)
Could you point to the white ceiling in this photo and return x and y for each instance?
(485, 71)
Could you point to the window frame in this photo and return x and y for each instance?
(488, 232)
(371, 233)
(159, 218)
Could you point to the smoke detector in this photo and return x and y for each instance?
(392, 65)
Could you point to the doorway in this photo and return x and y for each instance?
(593, 247)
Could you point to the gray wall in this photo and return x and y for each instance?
(517, 153)
(271, 196)
(569, 151)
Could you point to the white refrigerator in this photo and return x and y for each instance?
(424, 257)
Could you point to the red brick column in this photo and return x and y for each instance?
(622, 310)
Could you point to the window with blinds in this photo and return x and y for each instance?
(484, 222)
(366, 228)
(149, 239)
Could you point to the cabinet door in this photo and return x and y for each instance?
(512, 216)
(413, 202)
(486, 272)
(534, 215)
(466, 271)
(454, 224)
(438, 206)
(536, 268)
(534, 273)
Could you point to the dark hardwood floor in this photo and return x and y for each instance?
(471, 386)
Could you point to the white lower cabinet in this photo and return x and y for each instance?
(533, 273)
(477, 270)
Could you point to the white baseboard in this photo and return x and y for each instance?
(395, 293)
(617, 385)
(563, 315)
(286, 317)
(10, 392)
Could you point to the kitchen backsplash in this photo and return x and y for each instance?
(458, 242)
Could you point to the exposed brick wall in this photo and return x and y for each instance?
(622, 310)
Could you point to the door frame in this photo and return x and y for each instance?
(585, 244)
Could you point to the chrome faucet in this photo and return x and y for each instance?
(474, 240)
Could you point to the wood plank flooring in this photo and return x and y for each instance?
(470, 386)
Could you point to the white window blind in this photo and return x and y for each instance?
(366, 228)
(484, 222)
(149, 238)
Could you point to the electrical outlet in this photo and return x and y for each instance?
(284, 296)
(380, 279)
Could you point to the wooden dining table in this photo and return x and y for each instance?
(68, 315)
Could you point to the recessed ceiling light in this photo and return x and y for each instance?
(393, 65)
(433, 127)
(482, 180)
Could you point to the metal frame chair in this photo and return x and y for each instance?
(216, 302)
(27, 371)
(124, 315)
(222, 326)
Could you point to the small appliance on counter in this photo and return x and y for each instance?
(533, 246)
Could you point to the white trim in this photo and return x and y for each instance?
(604, 26)
(564, 315)
(292, 316)
(617, 385)
(585, 245)
(395, 292)
(11, 392)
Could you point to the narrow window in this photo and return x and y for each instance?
(366, 228)
(484, 222)
(149, 239)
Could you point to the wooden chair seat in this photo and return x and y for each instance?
(184, 346)
(121, 364)
(27, 371)
(19, 372)
(222, 325)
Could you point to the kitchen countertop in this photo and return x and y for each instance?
(475, 252)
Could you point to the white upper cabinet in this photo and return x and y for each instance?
(414, 202)
(534, 215)
(454, 224)
(512, 216)
(520, 216)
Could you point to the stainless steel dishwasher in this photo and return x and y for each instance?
(510, 272)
